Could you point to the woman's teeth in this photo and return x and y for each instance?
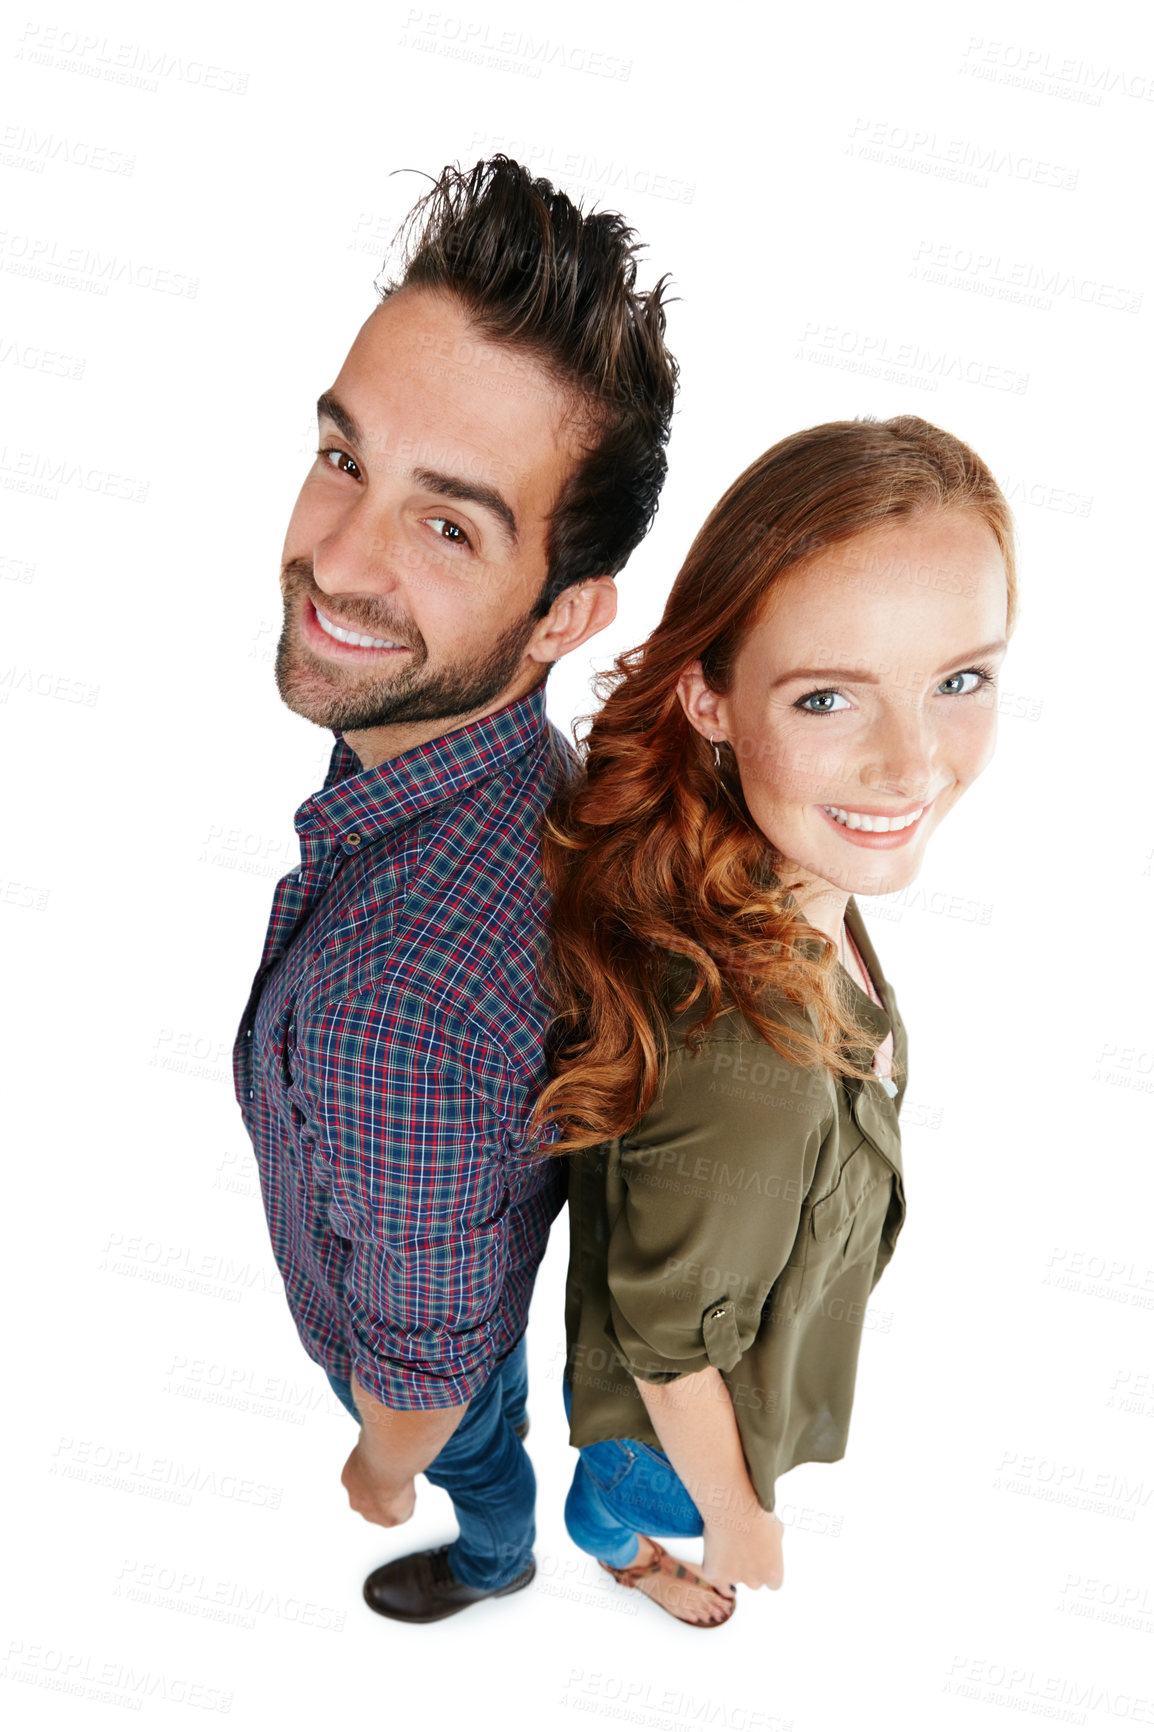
(867, 821)
(354, 637)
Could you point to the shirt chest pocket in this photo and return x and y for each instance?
(861, 1192)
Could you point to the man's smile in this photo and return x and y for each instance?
(326, 637)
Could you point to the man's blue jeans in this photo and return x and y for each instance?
(622, 1488)
(486, 1470)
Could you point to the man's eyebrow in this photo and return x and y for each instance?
(863, 676)
(330, 409)
(458, 487)
(435, 480)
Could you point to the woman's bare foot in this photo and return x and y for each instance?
(677, 1587)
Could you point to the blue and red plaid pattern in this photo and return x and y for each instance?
(391, 1052)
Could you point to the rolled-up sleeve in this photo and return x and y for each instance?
(411, 1102)
(705, 1204)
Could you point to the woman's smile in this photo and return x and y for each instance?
(874, 826)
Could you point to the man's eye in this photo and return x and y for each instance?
(449, 531)
(821, 703)
(339, 460)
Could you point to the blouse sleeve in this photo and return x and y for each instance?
(705, 1204)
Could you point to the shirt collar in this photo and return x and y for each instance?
(875, 1017)
(356, 806)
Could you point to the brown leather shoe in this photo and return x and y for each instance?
(421, 1588)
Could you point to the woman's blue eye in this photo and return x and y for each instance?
(821, 703)
(954, 687)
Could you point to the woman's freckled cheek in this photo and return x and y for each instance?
(784, 767)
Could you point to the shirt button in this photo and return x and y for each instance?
(718, 1311)
(248, 1034)
(251, 1094)
(353, 838)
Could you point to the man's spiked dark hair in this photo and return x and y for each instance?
(535, 272)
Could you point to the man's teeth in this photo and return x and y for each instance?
(354, 637)
(864, 820)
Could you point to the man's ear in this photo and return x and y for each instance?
(578, 612)
(702, 705)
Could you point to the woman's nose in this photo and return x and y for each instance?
(901, 758)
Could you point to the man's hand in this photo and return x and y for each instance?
(396, 1445)
(387, 1501)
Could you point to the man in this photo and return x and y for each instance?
(491, 452)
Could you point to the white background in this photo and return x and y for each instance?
(865, 210)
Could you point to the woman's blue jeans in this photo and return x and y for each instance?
(623, 1488)
(486, 1470)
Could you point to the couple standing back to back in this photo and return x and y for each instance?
(501, 973)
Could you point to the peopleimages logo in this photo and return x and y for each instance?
(159, 1477)
(129, 63)
(923, 366)
(583, 169)
(50, 260)
(1021, 281)
(1068, 76)
(28, 148)
(219, 1599)
(478, 41)
(38, 473)
(965, 160)
(112, 1683)
(32, 358)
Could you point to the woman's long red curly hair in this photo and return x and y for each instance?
(665, 894)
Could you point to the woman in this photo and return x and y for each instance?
(730, 1062)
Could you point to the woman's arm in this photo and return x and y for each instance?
(694, 1418)
(705, 1203)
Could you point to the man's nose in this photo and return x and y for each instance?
(358, 554)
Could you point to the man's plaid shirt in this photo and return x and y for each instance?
(391, 1052)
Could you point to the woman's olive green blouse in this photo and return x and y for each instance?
(743, 1224)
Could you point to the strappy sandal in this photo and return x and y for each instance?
(661, 1563)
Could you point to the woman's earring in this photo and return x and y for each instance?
(716, 752)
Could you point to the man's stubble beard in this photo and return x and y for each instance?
(312, 688)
